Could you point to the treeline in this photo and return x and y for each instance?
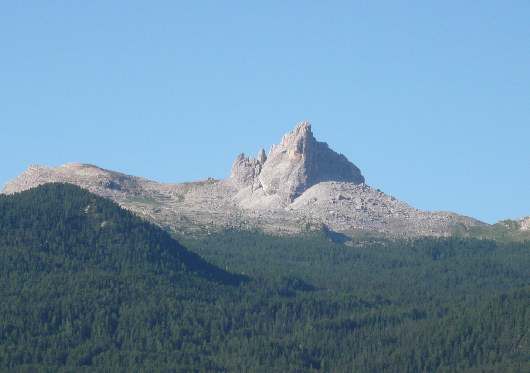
(87, 286)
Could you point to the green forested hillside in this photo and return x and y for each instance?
(88, 286)
(404, 271)
(85, 282)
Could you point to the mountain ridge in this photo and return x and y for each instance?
(300, 184)
(87, 286)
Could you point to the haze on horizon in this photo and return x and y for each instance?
(429, 100)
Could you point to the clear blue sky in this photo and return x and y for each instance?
(429, 99)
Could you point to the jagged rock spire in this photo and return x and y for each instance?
(297, 163)
(261, 156)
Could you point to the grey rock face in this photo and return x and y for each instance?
(299, 162)
(523, 224)
(245, 170)
(261, 156)
(301, 183)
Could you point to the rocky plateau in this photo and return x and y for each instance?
(300, 185)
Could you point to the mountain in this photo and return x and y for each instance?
(88, 284)
(298, 163)
(505, 230)
(90, 287)
(301, 184)
(67, 221)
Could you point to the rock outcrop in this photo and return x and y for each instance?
(245, 170)
(524, 223)
(301, 183)
(298, 163)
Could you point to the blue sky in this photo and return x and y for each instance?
(429, 99)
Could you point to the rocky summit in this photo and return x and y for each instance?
(298, 163)
(300, 184)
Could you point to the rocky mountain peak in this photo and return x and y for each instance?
(296, 164)
(300, 183)
(299, 137)
(261, 156)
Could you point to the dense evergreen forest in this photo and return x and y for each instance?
(88, 286)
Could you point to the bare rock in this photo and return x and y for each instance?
(261, 156)
(245, 170)
(524, 223)
(300, 183)
(296, 164)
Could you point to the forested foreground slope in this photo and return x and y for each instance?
(88, 286)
